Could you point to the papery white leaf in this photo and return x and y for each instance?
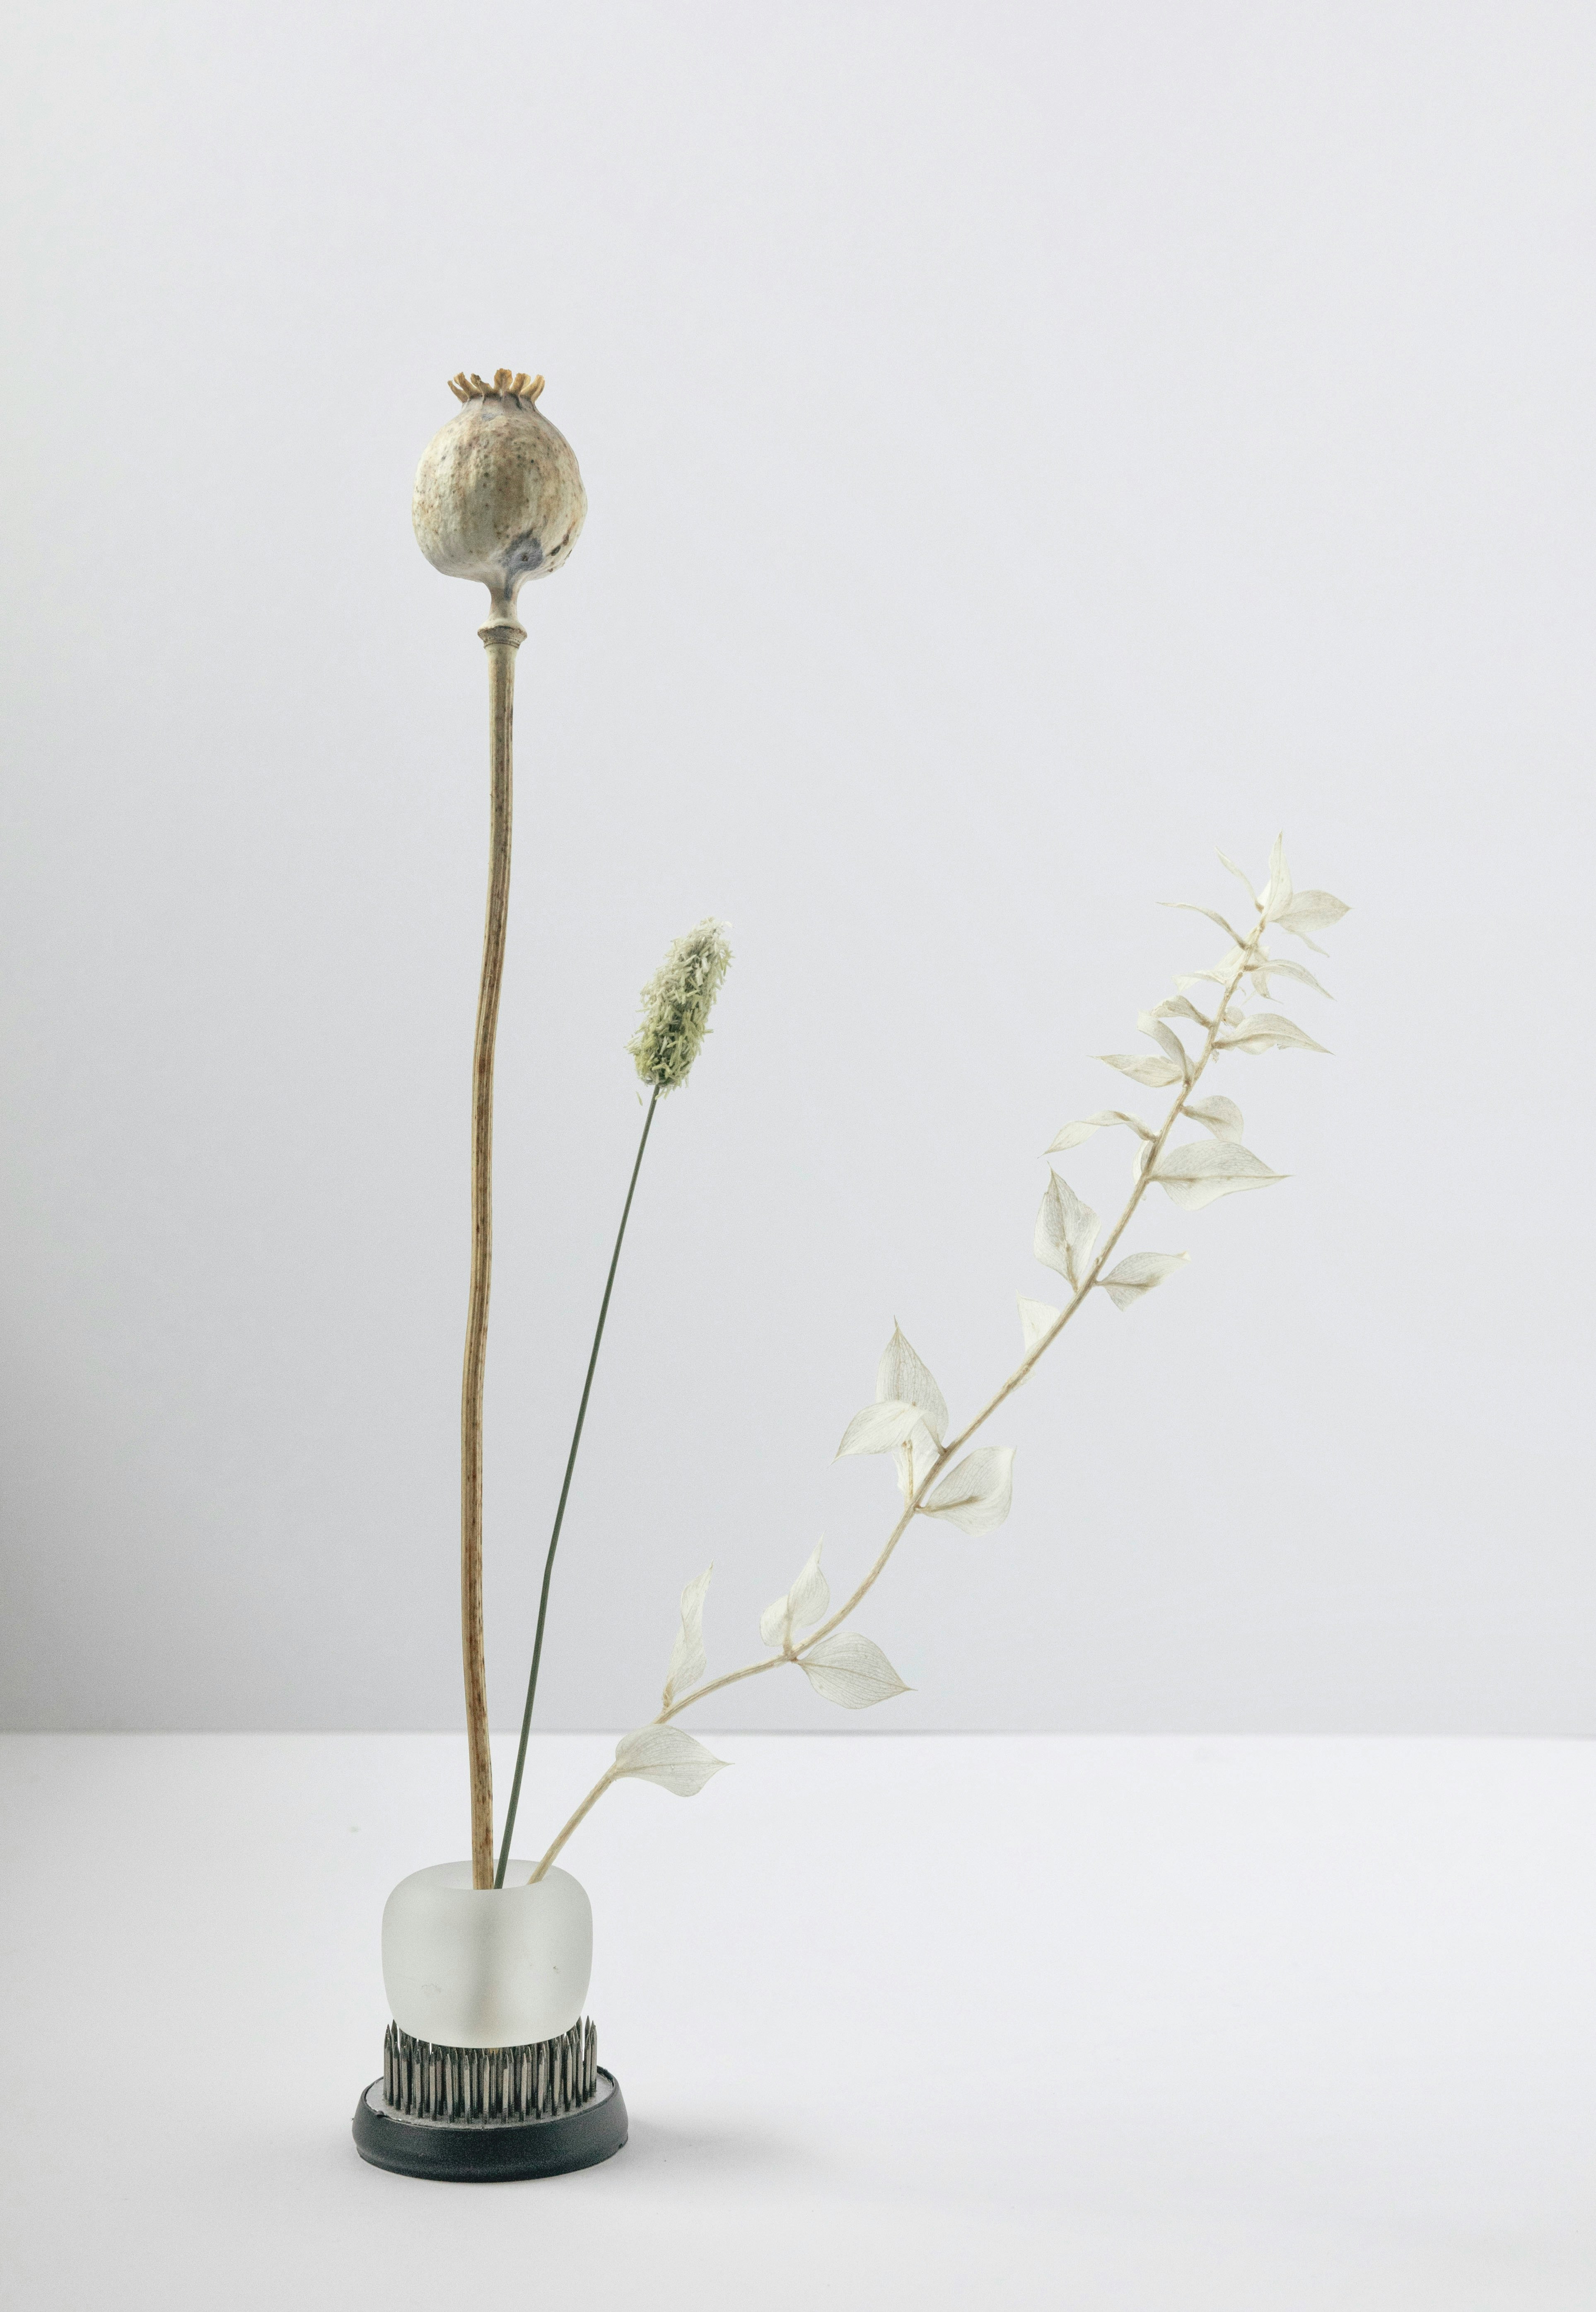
(1165, 1038)
(1277, 898)
(1176, 1007)
(1153, 1073)
(975, 1494)
(877, 1428)
(1267, 1031)
(1066, 1229)
(1241, 874)
(810, 1594)
(1194, 1175)
(1277, 967)
(1222, 1116)
(668, 1756)
(1189, 907)
(1072, 1135)
(914, 1456)
(804, 1605)
(1312, 911)
(1219, 973)
(688, 1660)
(851, 1670)
(1131, 1278)
(903, 1379)
(1036, 1317)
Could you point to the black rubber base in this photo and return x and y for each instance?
(474, 2151)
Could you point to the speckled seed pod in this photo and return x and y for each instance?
(498, 494)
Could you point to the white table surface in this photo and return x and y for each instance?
(1121, 2026)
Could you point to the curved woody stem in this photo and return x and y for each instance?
(1022, 1371)
(502, 638)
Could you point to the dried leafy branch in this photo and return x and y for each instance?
(909, 1417)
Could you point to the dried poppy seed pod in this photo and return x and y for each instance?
(498, 493)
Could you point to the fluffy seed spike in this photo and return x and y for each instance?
(676, 1005)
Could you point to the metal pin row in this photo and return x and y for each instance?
(485, 2085)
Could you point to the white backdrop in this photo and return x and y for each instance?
(1026, 445)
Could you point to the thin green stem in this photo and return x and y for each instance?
(548, 1563)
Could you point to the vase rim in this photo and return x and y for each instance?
(455, 1877)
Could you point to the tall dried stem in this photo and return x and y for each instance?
(502, 639)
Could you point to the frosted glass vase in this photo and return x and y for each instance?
(490, 1968)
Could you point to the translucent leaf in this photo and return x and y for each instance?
(668, 1756)
(688, 1660)
(1274, 968)
(1131, 1278)
(1311, 911)
(1277, 898)
(1267, 1031)
(1036, 1317)
(902, 1379)
(1066, 1229)
(1187, 908)
(1072, 1135)
(804, 1605)
(1240, 875)
(878, 1428)
(1153, 1073)
(1203, 1170)
(1177, 1007)
(975, 1494)
(1165, 1038)
(1222, 1116)
(810, 1594)
(851, 1670)
(915, 1456)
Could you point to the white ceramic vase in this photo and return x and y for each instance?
(496, 1967)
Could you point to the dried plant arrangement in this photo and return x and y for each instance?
(909, 1418)
(490, 2065)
